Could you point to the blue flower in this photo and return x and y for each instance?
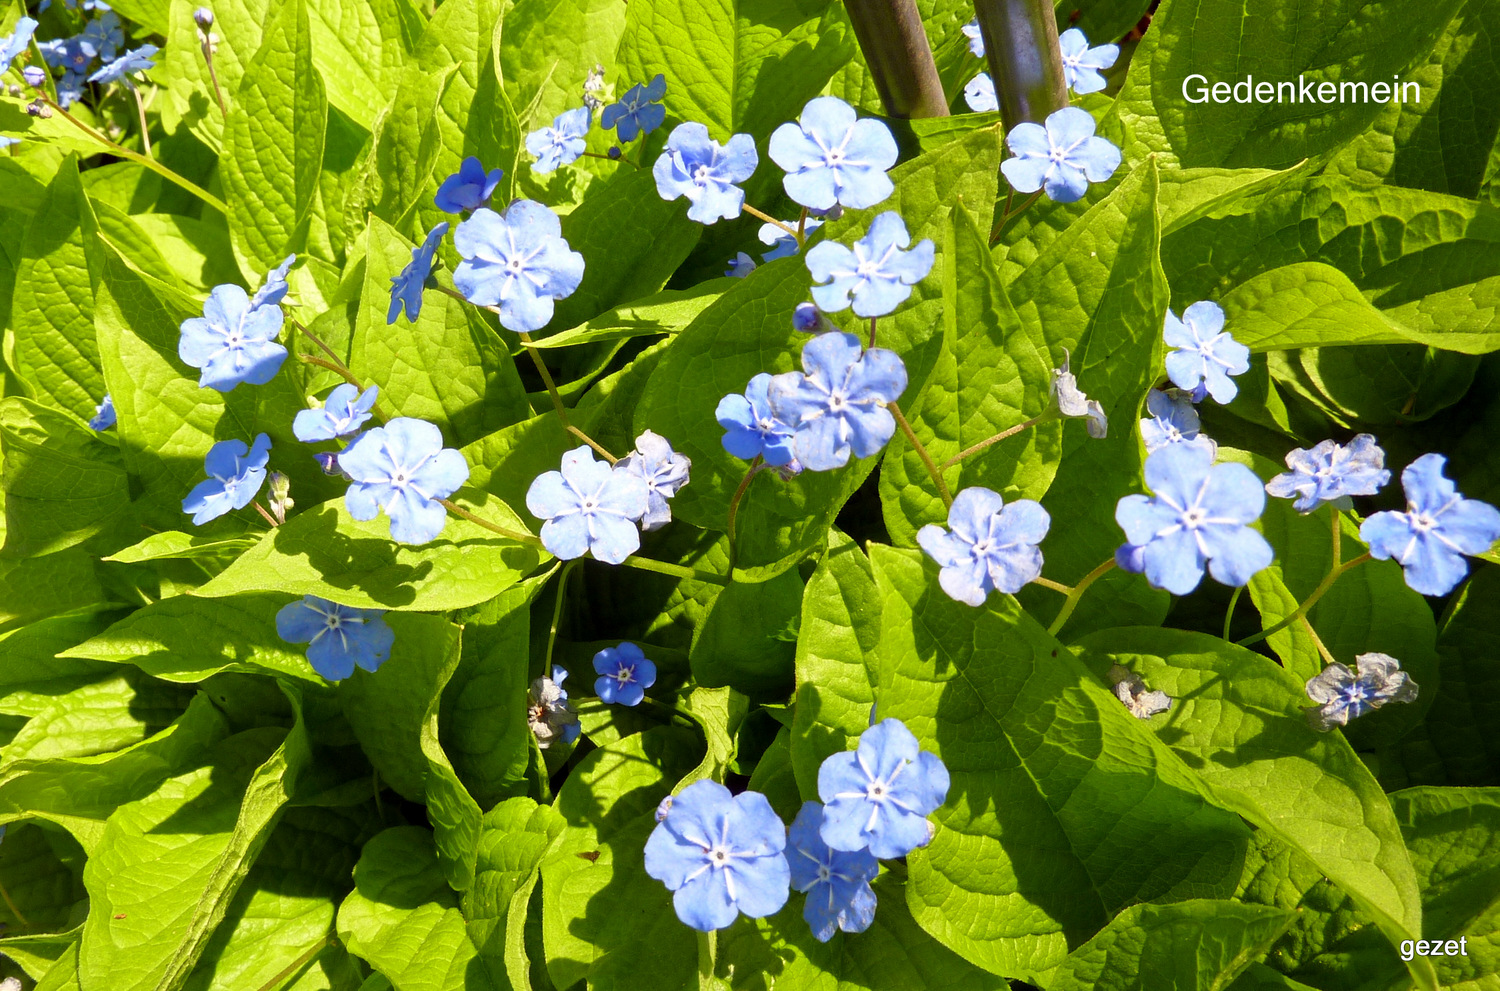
(639, 110)
(103, 37)
(402, 468)
(720, 854)
(469, 188)
(1206, 355)
(338, 636)
(837, 405)
(69, 89)
(975, 36)
(273, 291)
(406, 287)
(880, 795)
(624, 674)
(1081, 64)
(329, 463)
(563, 142)
(118, 71)
(696, 166)
(836, 882)
(16, 42)
(1063, 157)
(34, 75)
(784, 245)
(517, 261)
(740, 266)
(1331, 472)
(810, 320)
(589, 507)
(752, 429)
(663, 470)
(232, 342)
(342, 413)
(980, 95)
(1173, 421)
(1341, 696)
(549, 713)
(104, 414)
(832, 157)
(1131, 558)
(235, 474)
(990, 546)
(877, 273)
(1439, 527)
(1198, 516)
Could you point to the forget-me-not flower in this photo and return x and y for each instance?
(1341, 695)
(516, 261)
(549, 713)
(1062, 157)
(1070, 401)
(696, 166)
(563, 142)
(1198, 515)
(989, 545)
(232, 342)
(119, 71)
(1081, 64)
(1174, 420)
(975, 36)
(1439, 527)
(831, 156)
(880, 795)
(235, 474)
(837, 405)
(624, 674)
(469, 188)
(1131, 690)
(402, 469)
(1331, 472)
(836, 882)
(339, 637)
(103, 36)
(720, 854)
(639, 110)
(344, 411)
(71, 54)
(1206, 354)
(662, 469)
(979, 94)
(876, 275)
(274, 289)
(588, 506)
(751, 428)
(807, 318)
(407, 285)
(784, 245)
(104, 414)
(740, 266)
(16, 42)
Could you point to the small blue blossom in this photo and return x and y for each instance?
(663, 470)
(975, 36)
(342, 413)
(624, 675)
(104, 414)
(516, 261)
(807, 318)
(329, 463)
(235, 474)
(589, 507)
(403, 468)
(34, 75)
(752, 429)
(1173, 421)
(119, 71)
(720, 854)
(68, 53)
(407, 285)
(1439, 527)
(988, 545)
(1206, 354)
(16, 42)
(740, 266)
(639, 110)
(469, 188)
(1081, 64)
(204, 18)
(563, 142)
(339, 637)
(1342, 696)
(836, 882)
(880, 795)
(784, 245)
(549, 713)
(232, 342)
(980, 94)
(831, 156)
(837, 405)
(696, 166)
(69, 89)
(876, 275)
(274, 290)
(1198, 516)
(1063, 156)
(1331, 472)
(103, 37)
(1131, 558)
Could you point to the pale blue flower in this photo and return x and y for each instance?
(751, 428)
(1439, 527)
(1206, 354)
(837, 405)
(344, 411)
(639, 110)
(876, 275)
(880, 795)
(232, 342)
(1063, 156)
(34, 75)
(784, 245)
(1173, 420)
(103, 36)
(402, 469)
(663, 470)
(1342, 696)
(469, 188)
(1081, 64)
(407, 285)
(836, 882)
(516, 261)
(975, 36)
(1331, 472)
(980, 95)
(339, 637)
(549, 713)
(624, 675)
(989, 545)
(807, 318)
(740, 266)
(831, 156)
(274, 290)
(563, 142)
(16, 42)
(697, 167)
(589, 507)
(104, 415)
(235, 475)
(119, 71)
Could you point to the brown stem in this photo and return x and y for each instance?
(1020, 44)
(734, 505)
(772, 220)
(267, 516)
(932, 468)
(872, 332)
(208, 57)
(896, 48)
(1002, 435)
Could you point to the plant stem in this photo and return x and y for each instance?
(622, 158)
(1077, 594)
(557, 403)
(145, 128)
(1302, 610)
(707, 953)
(1055, 586)
(1003, 224)
(516, 535)
(872, 332)
(932, 469)
(802, 227)
(772, 220)
(14, 908)
(562, 588)
(262, 511)
(296, 965)
(213, 75)
(1337, 535)
(1020, 43)
(734, 504)
(895, 46)
(1229, 613)
(1002, 435)
(1317, 641)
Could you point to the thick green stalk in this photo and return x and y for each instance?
(1020, 42)
(895, 46)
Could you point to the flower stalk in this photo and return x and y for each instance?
(895, 46)
(1076, 594)
(1025, 60)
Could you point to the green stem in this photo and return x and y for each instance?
(911, 437)
(296, 965)
(213, 75)
(895, 46)
(516, 535)
(1324, 586)
(988, 441)
(145, 128)
(1003, 224)
(707, 955)
(622, 158)
(675, 570)
(1055, 586)
(1229, 613)
(734, 504)
(557, 403)
(562, 588)
(1077, 594)
(1317, 641)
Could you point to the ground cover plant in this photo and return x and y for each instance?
(561, 494)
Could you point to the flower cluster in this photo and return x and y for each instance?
(637, 114)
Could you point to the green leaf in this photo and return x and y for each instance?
(49, 586)
(517, 834)
(323, 551)
(550, 47)
(173, 545)
(774, 778)
(274, 142)
(453, 812)
(736, 643)
(1259, 977)
(666, 312)
(32, 675)
(1097, 814)
(41, 880)
(98, 718)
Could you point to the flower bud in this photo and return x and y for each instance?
(279, 493)
(809, 319)
(204, 18)
(36, 108)
(35, 75)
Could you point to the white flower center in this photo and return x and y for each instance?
(399, 478)
(233, 340)
(824, 874)
(700, 175)
(876, 791)
(1194, 517)
(834, 156)
(625, 675)
(719, 856)
(1421, 522)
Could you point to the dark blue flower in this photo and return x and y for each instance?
(876, 275)
(1206, 354)
(339, 637)
(988, 545)
(752, 429)
(329, 463)
(403, 468)
(68, 53)
(104, 415)
(406, 287)
(516, 261)
(1342, 696)
(880, 795)
(274, 289)
(836, 882)
(118, 71)
(16, 42)
(1081, 64)
(549, 713)
(1439, 527)
(69, 89)
(1331, 472)
(831, 156)
(624, 675)
(341, 414)
(979, 94)
(563, 142)
(232, 342)
(1063, 156)
(720, 854)
(696, 166)
(235, 474)
(469, 188)
(837, 405)
(663, 470)
(1173, 421)
(589, 507)
(639, 110)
